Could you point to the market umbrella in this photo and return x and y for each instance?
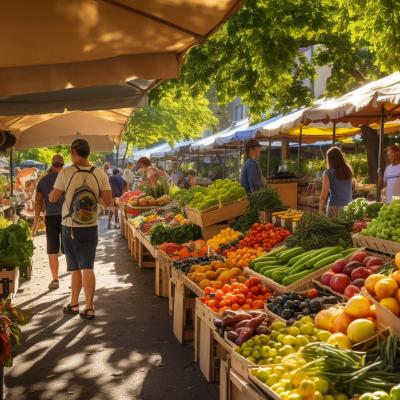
(53, 45)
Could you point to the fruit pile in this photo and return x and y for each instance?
(348, 276)
(386, 225)
(353, 323)
(292, 306)
(216, 274)
(220, 191)
(249, 295)
(282, 341)
(243, 257)
(286, 266)
(197, 248)
(241, 326)
(185, 264)
(226, 236)
(265, 236)
(386, 290)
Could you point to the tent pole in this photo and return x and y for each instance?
(198, 161)
(380, 153)
(269, 157)
(299, 151)
(11, 173)
(334, 134)
(224, 164)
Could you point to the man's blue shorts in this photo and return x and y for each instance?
(80, 247)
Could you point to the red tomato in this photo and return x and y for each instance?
(219, 294)
(235, 306)
(226, 288)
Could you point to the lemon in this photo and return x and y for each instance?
(278, 345)
(262, 375)
(287, 349)
(257, 340)
(296, 396)
(247, 352)
(273, 379)
(281, 337)
(279, 370)
(323, 336)
(293, 331)
(265, 351)
(322, 385)
(277, 325)
(307, 388)
(256, 355)
(273, 352)
(298, 377)
(277, 359)
(302, 340)
(288, 340)
(306, 320)
(307, 329)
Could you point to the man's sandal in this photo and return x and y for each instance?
(86, 315)
(68, 309)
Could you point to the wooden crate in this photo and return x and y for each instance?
(218, 214)
(240, 364)
(163, 274)
(373, 243)
(183, 310)
(208, 348)
(287, 191)
(266, 390)
(242, 389)
(9, 281)
(146, 252)
(224, 368)
(171, 289)
(210, 231)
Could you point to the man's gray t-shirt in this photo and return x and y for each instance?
(45, 186)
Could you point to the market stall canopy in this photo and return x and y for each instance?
(102, 128)
(129, 94)
(53, 45)
(147, 152)
(212, 140)
(361, 106)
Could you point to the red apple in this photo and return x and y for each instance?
(351, 266)
(374, 268)
(374, 261)
(359, 256)
(360, 272)
(351, 290)
(339, 283)
(339, 265)
(358, 282)
(326, 277)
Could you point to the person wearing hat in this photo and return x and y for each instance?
(251, 177)
(52, 216)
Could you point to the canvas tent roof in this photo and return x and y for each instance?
(101, 128)
(53, 45)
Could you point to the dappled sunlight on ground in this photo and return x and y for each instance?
(128, 352)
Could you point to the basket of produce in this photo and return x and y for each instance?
(348, 275)
(287, 270)
(287, 219)
(376, 244)
(293, 306)
(361, 208)
(184, 265)
(224, 199)
(225, 238)
(180, 234)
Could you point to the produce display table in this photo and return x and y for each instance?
(287, 191)
(146, 252)
(163, 274)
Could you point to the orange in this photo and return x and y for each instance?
(391, 304)
(385, 287)
(358, 307)
(396, 276)
(371, 281)
(397, 260)
(397, 295)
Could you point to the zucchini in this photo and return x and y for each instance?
(332, 251)
(293, 260)
(303, 261)
(327, 261)
(277, 250)
(347, 252)
(268, 274)
(271, 268)
(293, 278)
(278, 276)
(288, 254)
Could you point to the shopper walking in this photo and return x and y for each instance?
(391, 177)
(337, 184)
(83, 186)
(117, 189)
(129, 176)
(52, 217)
(251, 177)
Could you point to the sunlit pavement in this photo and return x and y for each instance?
(128, 352)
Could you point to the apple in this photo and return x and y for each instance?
(339, 283)
(360, 272)
(351, 266)
(358, 282)
(374, 261)
(326, 277)
(374, 269)
(359, 256)
(339, 265)
(351, 291)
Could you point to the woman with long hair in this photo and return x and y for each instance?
(337, 183)
(391, 177)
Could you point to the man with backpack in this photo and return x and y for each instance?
(83, 187)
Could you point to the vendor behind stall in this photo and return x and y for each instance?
(337, 183)
(151, 174)
(391, 177)
(251, 177)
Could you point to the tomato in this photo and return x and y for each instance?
(226, 288)
(254, 281)
(224, 303)
(235, 306)
(219, 294)
(211, 303)
(312, 293)
(249, 301)
(260, 297)
(235, 286)
(208, 290)
(241, 299)
(244, 290)
(259, 304)
(246, 307)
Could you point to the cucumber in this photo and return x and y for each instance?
(271, 268)
(269, 274)
(347, 252)
(278, 276)
(327, 261)
(293, 278)
(288, 254)
(277, 250)
(303, 261)
(332, 251)
(293, 260)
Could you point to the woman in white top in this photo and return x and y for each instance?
(391, 177)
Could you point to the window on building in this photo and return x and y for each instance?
(239, 112)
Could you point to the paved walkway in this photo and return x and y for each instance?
(128, 352)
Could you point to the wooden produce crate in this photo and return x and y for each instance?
(287, 191)
(146, 252)
(163, 274)
(208, 232)
(243, 389)
(209, 347)
(224, 368)
(184, 297)
(240, 364)
(218, 214)
(266, 390)
(373, 243)
(9, 281)
(298, 286)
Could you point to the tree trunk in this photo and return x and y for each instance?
(126, 152)
(371, 141)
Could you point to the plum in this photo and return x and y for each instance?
(358, 282)
(360, 272)
(339, 283)
(351, 291)
(351, 266)
(326, 277)
(359, 256)
(374, 261)
(339, 265)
